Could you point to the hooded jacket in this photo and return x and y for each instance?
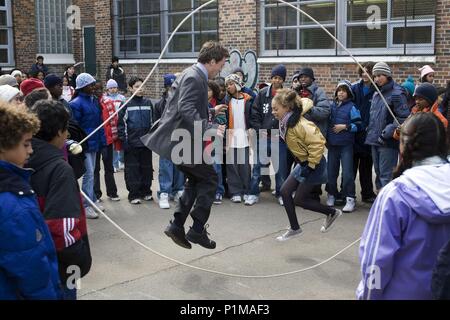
(305, 140)
(381, 124)
(87, 113)
(261, 117)
(60, 202)
(408, 224)
(28, 264)
(135, 120)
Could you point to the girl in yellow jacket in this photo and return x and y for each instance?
(307, 144)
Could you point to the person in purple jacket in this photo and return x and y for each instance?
(410, 220)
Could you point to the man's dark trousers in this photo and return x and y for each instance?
(200, 188)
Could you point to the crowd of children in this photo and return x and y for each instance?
(308, 139)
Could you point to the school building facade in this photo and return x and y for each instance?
(406, 34)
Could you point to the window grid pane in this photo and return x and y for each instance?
(53, 34)
(142, 26)
(363, 24)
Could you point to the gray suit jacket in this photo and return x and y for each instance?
(187, 104)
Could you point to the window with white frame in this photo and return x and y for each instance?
(143, 27)
(366, 27)
(51, 25)
(6, 34)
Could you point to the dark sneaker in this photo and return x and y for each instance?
(339, 201)
(264, 188)
(201, 238)
(369, 199)
(177, 235)
(329, 220)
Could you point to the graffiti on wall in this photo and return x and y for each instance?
(249, 64)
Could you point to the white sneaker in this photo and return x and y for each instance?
(164, 201)
(148, 198)
(251, 200)
(274, 193)
(330, 200)
(121, 166)
(115, 198)
(236, 199)
(177, 196)
(245, 197)
(280, 201)
(350, 205)
(90, 213)
(289, 234)
(135, 201)
(329, 220)
(100, 206)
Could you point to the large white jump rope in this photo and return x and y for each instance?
(77, 148)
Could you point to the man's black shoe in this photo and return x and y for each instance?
(369, 199)
(178, 236)
(201, 238)
(264, 188)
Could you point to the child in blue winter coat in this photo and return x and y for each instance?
(28, 263)
(345, 121)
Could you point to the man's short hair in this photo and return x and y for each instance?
(115, 59)
(40, 58)
(16, 121)
(53, 116)
(212, 50)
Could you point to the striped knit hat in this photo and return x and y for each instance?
(381, 68)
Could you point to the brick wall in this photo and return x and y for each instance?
(237, 24)
(25, 46)
(238, 29)
(103, 35)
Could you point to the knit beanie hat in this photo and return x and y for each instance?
(307, 72)
(425, 70)
(9, 80)
(381, 68)
(169, 79)
(348, 85)
(236, 79)
(83, 80)
(427, 91)
(409, 85)
(279, 70)
(52, 80)
(111, 84)
(31, 84)
(7, 93)
(16, 72)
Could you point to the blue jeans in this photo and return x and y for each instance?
(117, 156)
(88, 178)
(171, 180)
(220, 188)
(384, 162)
(338, 155)
(281, 160)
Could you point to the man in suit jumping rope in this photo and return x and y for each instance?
(187, 109)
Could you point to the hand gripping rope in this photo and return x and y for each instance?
(145, 81)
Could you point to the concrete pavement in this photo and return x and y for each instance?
(246, 245)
